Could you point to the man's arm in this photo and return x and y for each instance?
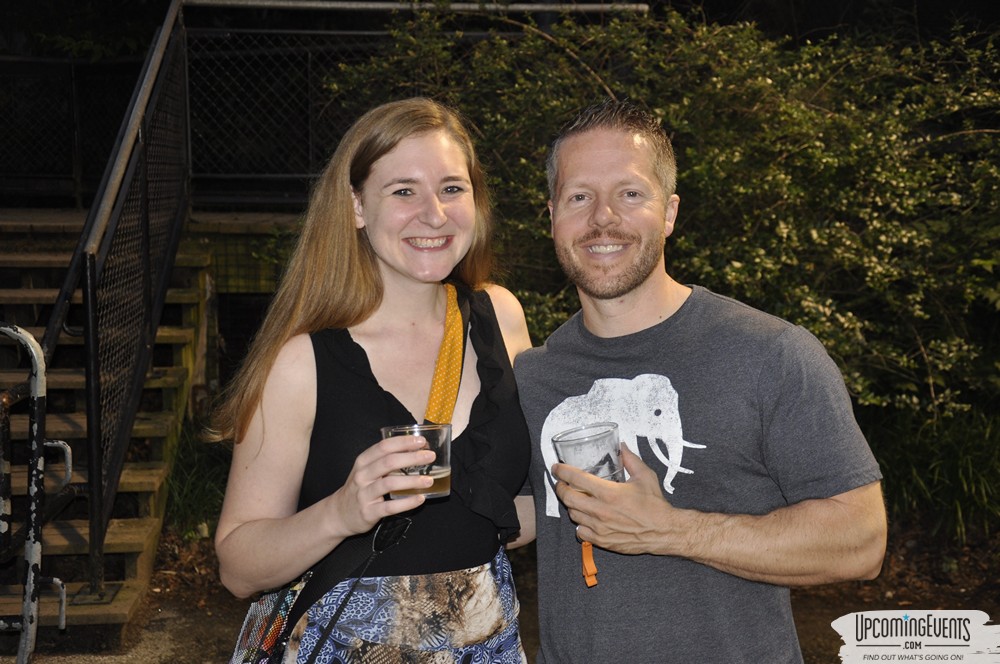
(812, 542)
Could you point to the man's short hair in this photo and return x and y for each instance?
(626, 117)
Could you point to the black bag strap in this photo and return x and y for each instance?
(348, 559)
(349, 556)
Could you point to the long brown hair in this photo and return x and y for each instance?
(332, 279)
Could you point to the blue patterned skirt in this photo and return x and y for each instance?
(467, 616)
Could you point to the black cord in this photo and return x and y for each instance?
(389, 532)
(340, 609)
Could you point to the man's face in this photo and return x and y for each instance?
(610, 215)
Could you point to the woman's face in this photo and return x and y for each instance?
(418, 209)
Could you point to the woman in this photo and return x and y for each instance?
(349, 345)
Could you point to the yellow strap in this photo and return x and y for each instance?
(448, 369)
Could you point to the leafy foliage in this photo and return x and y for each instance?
(851, 186)
(196, 485)
(944, 472)
(83, 29)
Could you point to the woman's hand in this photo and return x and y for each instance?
(362, 501)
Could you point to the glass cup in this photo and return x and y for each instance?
(594, 448)
(438, 437)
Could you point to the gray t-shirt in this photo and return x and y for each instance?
(737, 411)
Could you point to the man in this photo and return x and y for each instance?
(748, 473)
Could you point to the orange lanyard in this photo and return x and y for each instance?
(589, 566)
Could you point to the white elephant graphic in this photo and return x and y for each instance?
(644, 407)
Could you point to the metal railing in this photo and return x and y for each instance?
(130, 240)
(27, 622)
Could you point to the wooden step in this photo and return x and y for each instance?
(165, 334)
(137, 477)
(71, 538)
(49, 296)
(40, 248)
(33, 259)
(58, 221)
(63, 426)
(75, 379)
(136, 538)
(119, 611)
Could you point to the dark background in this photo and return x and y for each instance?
(110, 28)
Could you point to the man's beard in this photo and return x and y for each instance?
(596, 282)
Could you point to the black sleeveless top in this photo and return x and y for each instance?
(489, 459)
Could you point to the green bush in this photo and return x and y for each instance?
(851, 186)
(945, 473)
(197, 485)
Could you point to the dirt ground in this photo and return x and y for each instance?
(188, 617)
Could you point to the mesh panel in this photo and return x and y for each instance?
(120, 315)
(59, 121)
(124, 308)
(103, 92)
(258, 104)
(166, 158)
(35, 121)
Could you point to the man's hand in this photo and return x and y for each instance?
(625, 517)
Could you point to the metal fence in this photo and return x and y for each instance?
(58, 120)
(261, 126)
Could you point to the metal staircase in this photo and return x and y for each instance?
(82, 300)
(35, 252)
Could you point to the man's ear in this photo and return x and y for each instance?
(359, 217)
(551, 218)
(673, 203)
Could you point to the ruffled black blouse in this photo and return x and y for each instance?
(489, 459)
